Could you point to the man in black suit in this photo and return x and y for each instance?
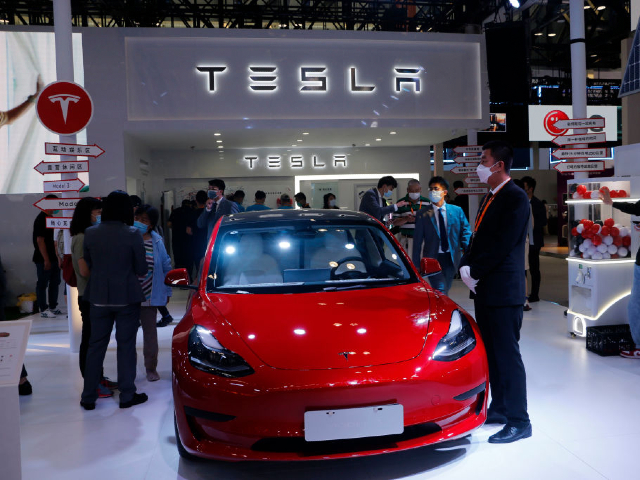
(217, 206)
(374, 200)
(492, 269)
(539, 222)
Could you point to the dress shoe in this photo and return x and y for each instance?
(88, 405)
(534, 299)
(511, 434)
(25, 388)
(137, 399)
(527, 308)
(495, 419)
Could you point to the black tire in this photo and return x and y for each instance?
(181, 450)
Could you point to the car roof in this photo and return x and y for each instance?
(329, 216)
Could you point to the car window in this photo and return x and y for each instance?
(292, 258)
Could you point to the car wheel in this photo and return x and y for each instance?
(181, 450)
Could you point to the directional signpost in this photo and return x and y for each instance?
(56, 203)
(72, 149)
(472, 191)
(63, 185)
(470, 159)
(465, 170)
(578, 139)
(59, 222)
(569, 167)
(596, 122)
(472, 179)
(62, 167)
(571, 153)
(468, 149)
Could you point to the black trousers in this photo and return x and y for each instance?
(48, 280)
(500, 329)
(534, 270)
(127, 321)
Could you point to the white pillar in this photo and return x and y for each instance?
(64, 72)
(474, 200)
(578, 68)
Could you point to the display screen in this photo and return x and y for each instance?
(498, 122)
(27, 63)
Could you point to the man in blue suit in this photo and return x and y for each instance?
(374, 200)
(442, 232)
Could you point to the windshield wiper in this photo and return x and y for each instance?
(346, 287)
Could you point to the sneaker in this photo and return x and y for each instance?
(635, 353)
(137, 399)
(25, 388)
(526, 308)
(108, 383)
(165, 321)
(56, 311)
(48, 314)
(104, 392)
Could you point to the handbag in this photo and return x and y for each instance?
(68, 272)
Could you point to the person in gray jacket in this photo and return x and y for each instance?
(217, 206)
(115, 255)
(374, 200)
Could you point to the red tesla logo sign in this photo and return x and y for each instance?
(552, 117)
(64, 108)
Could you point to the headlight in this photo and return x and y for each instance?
(208, 355)
(458, 341)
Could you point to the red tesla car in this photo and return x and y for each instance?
(311, 335)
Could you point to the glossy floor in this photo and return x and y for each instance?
(584, 410)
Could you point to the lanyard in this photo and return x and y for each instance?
(411, 206)
(484, 208)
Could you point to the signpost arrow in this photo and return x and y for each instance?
(596, 122)
(56, 203)
(472, 191)
(464, 170)
(72, 149)
(575, 139)
(462, 159)
(472, 179)
(567, 167)
(567, 153)
(63, 185)
(62, 167)
(59, 222)
(468, 149)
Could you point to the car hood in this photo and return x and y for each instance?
(325, 330)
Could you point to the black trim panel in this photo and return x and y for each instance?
(470, 393)
(213, 416)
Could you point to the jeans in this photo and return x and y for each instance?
(634, 306)
(51, 279)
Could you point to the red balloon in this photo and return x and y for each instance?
(615, 231)
(581, 189)
(587, 224)
(623, 193)
(604, 189)
(574, 232)
(613, 194)
(583, 221)
(615, 255)
(587, 195)
(597, 240)
(595, 228)
(605, 231)
(626, 241)
(617, 241)
(609, 222)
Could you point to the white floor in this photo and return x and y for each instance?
(584, 410)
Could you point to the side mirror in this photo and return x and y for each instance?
(429, 266)
(179, 277)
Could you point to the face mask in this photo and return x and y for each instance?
(414, 196)
(332, 203)
(484, 173)
(212, 194)
(388, 194)
(141, 226)
(435, 196)
(98, 219)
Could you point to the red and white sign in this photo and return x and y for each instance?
(465, 170)
(472, 191)
(469, 159)
(72, 149)
(63, 185)
(56, 203)
(571, 167)
(468, 149)
(571, 153)
(62, 167)
(564, 124)
(59, 222)
(472, 179)
(583, 138)
(64, 108)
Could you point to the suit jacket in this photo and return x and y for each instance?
(115, 254)
(370, 204)
(496, 253)
(539, 221)
(426, 236)
(209, 219)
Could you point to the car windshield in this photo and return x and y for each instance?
(304, 257)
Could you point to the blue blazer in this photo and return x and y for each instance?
(370, 204)
(161, 266)
(209, 219)
(426, 236)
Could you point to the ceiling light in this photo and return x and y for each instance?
(538, 34)
(600, 8)
(217, 134)
(594, 55)
(367, 144)
(305, 133)
(218, 141)
(299, 140)
(378, 139)
(220, 146)
(392, 133)
(294, 145)
(587, 7)
(514, 3)
(551, 34)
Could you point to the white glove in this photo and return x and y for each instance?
(465, 274)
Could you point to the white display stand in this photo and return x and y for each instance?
(599, 290)
(13, 344)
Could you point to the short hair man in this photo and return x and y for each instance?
(217, 206)
(442, 232)
(47, 268)
(492, 269)
(374, 200)
(285, 202)
(238, 197)
(539, 222)
(415, 202)
(301, 200)
(260, 198)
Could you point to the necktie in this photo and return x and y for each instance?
(444, 242)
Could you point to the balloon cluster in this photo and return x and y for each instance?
(583, 193)
(600, 240)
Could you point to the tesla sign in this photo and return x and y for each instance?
(295, 161)
(64, 108)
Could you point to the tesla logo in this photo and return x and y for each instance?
(345, 355)
(296, 161)
(64, 100)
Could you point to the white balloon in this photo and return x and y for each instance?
(612, 249)
(608, 240)
(618, 226)
(606, 256)
(587, 242)
(622, 251)
(572, 253)
(602, 248)
(586, 255)
(591, 250)
(576, 195)
(597, 256)
(580, 228)
(624, 231)
(583, 248)
(595, 194)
